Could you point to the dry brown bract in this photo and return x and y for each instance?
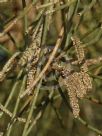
(30, 56)
(8, 66)
(27, 59)
(76, 83)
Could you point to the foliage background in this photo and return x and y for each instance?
(90, 32)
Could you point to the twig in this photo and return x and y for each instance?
(90, 127)
(47, 5)
(93, 100)
(60, 7)
(90, 61)
(4, 110)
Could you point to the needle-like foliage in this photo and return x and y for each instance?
(50, 67)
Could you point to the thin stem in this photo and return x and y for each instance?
(60, 7)
(12, 39)
(12, 92)
(5, 50)
(44, 32)
(89, 126)
(94, 40)
(57, 114)
(93, 100)
(16, 108)
(31, 110)
(72, 11)
(6, 111)
(88, 7)
(47, 4)
(25, 18)
(25, 22)
(34, 122)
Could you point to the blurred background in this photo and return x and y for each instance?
(82, 17)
